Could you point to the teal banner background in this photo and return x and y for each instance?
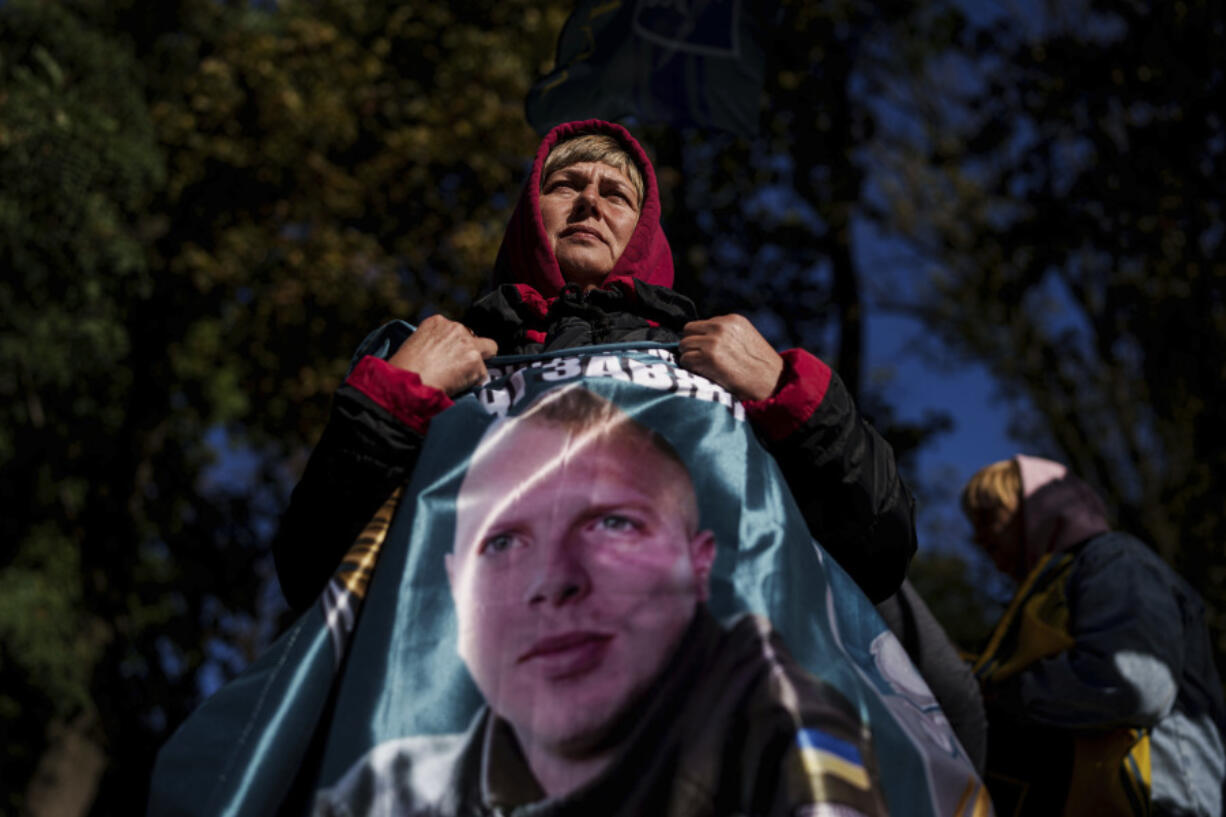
(399, 675)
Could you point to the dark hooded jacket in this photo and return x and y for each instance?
(841, 472)
(1102, 693)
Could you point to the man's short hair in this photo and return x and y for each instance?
(994, 487)
(582, 412)
(577, 409)
(595, 147)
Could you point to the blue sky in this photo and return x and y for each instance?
(919, 379)
(966, 393)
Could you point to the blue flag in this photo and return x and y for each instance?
(594, 553)
(681, 62)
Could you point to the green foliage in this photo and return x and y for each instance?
(73, 179)
(1068, 201)
(77, 164)
(203, 208)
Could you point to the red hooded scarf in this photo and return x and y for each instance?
(526, 257)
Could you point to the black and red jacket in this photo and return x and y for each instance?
(841, 472)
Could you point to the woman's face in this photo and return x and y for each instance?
(589, 210)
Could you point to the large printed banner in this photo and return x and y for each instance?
(596, 596)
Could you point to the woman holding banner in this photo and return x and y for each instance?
(584, 262)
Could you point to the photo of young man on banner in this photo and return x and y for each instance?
(580, 576)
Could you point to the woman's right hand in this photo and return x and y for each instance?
(445, 354)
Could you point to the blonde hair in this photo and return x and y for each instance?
(594, 147)
(993, 487)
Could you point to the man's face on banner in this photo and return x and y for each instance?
(577, 568)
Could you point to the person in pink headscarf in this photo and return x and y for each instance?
(585, 261)
(1101, 691)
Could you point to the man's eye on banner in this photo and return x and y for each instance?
(596, 593)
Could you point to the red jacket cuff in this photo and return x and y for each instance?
(398, 391)
(800, 390)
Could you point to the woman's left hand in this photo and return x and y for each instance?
(730, 351)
